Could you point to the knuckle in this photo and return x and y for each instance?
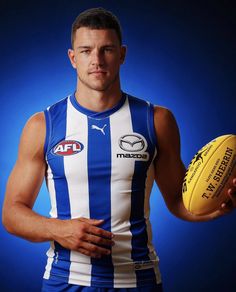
(102, 241)
(82, 236)
(79, 242)
(97, 238)
(82, 227)
(94, 248)
(100, 232)
(83, 251)
(75, 246)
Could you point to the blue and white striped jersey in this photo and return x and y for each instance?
(100, 166)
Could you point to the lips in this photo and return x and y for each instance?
(97, 72)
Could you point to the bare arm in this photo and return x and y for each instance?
(24, 184)
(169, 168)
(22, 189)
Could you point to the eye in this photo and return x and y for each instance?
(86, 52)
(108, 49)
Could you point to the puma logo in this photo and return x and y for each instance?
(94, 127)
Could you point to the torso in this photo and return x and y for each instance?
(100, 166)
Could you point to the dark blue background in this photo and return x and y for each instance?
(181, 54)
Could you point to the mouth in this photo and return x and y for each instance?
(97, 72)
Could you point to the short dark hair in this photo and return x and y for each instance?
(96, 18)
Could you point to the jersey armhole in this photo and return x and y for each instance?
(151, 126)
(48, 131)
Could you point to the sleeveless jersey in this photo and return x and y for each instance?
(100, 166)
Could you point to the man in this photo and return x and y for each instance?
(100, 150)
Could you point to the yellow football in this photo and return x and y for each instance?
(208, 174)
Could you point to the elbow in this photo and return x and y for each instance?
(7, 222)
(177, 208)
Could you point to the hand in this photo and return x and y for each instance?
(229, 205)
(84, 236)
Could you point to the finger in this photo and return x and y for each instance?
(100, 232)
(232, 195)
(91, 221)
(95, 230)
(95, 249)
(88, 253)
(234, 181)
(227, 206)
(99, 240)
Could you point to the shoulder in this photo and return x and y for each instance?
(36, 120)
(166, 127)
(35, 124)
(33, 135)
(163, 116)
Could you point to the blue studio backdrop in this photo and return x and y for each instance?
(181, 55)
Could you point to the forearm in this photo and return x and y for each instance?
(81, 234)
(21, 221)
(181, 212)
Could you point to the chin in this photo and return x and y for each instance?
(100, 87)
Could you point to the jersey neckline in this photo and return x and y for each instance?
(93, 114)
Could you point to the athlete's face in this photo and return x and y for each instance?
(97, 56)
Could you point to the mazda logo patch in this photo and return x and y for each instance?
(131, 143)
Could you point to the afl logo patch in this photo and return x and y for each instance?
(67, 147)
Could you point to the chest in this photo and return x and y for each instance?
(100, 147)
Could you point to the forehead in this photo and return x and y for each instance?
(85, 36)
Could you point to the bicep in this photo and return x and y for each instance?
(28, 173)
(24, 183)
(169, 168)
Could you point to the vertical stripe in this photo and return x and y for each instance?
(99, 173)
(151, 125)
(140, 252)
(56, 163)
(50, 255)
(77, 175)
(152, 253)
(76, 165)
(149, 184)
(52, 193)
(121, 181)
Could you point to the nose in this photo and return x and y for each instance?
(97, 58)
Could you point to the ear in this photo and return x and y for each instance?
(71, 55)
(123, 54)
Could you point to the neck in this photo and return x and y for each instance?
(98, 101)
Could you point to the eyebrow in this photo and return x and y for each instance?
(105, 46)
